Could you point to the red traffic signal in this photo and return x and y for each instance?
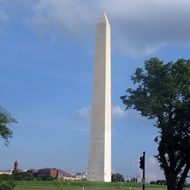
(142, 162)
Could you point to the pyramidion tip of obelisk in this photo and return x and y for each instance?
(103, 18)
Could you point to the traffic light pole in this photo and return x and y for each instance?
(142, 166)
(143, 187)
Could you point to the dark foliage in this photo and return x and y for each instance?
(24, 176)
(159, 182)
(7, 185)
(117, 177)
(5, 120)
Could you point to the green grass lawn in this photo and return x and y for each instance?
(51, 185)
(36, 185)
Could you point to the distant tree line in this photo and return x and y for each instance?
(24, 176)
(158, 182)
(117, 177)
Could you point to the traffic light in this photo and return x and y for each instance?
(141, 162)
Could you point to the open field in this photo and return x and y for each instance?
(51, 185)
(36, 185)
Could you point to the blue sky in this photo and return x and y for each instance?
(46, 64)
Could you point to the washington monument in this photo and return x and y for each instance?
(99, 160)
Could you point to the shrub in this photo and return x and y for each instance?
(9, 185)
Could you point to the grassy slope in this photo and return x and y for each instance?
(43, 185)
(107, 186)
(36, 185)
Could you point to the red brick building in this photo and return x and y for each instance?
(47, 172)
(54, 173)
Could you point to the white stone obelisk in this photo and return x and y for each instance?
(99, 160)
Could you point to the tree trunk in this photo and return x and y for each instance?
(184, 174)
(175, 183)
(171, 180)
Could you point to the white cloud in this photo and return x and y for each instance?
(143, 26)
(68, 17)
(138, 26)
(118, 112)
(153, 171)
(84, 112)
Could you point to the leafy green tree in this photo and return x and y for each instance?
(117, 177)
(5, 120)
(7, 185)
(162, 93)
(24, 176)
